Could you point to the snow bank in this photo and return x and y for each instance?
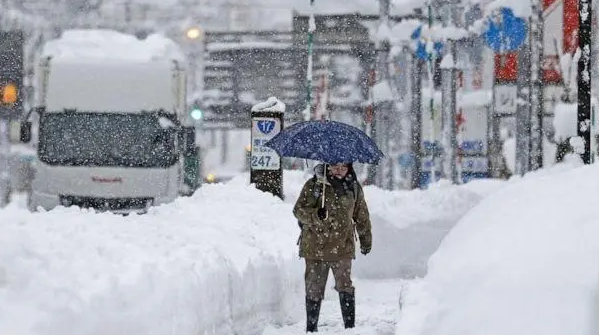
(109, 44)
(223, 261)
(524, 261)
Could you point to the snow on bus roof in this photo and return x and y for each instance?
(104, 44)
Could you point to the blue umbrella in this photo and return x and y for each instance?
(326, 141)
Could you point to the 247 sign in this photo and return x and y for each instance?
(505, 97)
(262, 157)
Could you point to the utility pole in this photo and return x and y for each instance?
(584, 78)
(311, 29)
(536, 86)
(382, 108)
(449, 103)
(523, 116)
(416, 120)
(377, 133)
(403, 89)
(431, 68)
(5, 189)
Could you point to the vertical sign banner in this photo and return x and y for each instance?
(262, 157)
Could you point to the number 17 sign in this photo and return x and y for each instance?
(264, 158)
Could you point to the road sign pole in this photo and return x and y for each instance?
(416, 121)
(536, 86)
(506, 36)
(584, 79)
(422, 57)
(449, 116)
(266, 170)
(4, 162)
(523, 116)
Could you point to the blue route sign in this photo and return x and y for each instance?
(507, 34)
(421, 51)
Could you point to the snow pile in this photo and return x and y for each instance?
(524, 261)
(220, 262)
(110, 44)
(223, 261)
(272, 104)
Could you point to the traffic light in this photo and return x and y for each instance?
(196, 113)
(10, 94)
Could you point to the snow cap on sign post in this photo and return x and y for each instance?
(447, 62)
(271, 105)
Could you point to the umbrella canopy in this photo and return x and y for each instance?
(326, 141)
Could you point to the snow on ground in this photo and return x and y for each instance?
(190, 267)
(524, 261)
(376, 310)
(222, 261)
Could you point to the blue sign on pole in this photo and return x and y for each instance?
(421, 47)
(507, 34)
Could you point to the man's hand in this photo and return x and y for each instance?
(365, 250)
(322, 213)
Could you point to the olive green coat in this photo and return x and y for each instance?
(334, 238)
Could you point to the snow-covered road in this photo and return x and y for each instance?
(377, 307)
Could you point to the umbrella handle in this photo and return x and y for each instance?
(323, 194)
(324, 184)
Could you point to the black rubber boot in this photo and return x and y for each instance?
(312, 314)
(348, 308)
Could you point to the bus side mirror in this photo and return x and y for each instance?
(25, 132)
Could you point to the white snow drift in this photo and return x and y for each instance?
(524, 261)
(221, 262)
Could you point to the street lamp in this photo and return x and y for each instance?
(193, 33)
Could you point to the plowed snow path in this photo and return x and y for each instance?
(377, 307)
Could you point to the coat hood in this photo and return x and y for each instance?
(320, 174)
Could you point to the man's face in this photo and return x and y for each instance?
(338, 170)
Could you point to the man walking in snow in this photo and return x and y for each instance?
(331, 208)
